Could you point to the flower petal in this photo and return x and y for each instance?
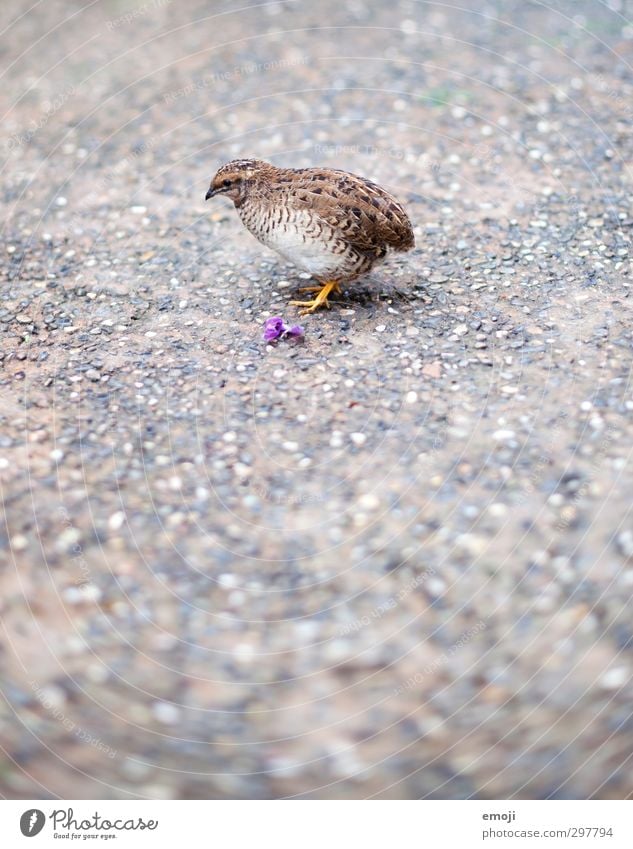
(274, 328)
(295, 330)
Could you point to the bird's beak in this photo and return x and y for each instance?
(209, 194)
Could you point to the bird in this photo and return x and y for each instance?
(333, 224)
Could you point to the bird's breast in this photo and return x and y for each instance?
(299, 235)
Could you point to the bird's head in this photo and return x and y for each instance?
(236, 177)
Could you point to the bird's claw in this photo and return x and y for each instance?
(321, 299)
(310, 306)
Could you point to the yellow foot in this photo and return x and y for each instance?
(321, 298)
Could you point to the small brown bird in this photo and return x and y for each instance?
(330, 223)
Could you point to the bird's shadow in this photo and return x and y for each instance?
(372, 290)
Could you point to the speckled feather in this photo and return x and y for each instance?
(334, 224)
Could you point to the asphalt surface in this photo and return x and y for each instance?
(393, 559)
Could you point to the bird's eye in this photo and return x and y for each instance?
(226, 183)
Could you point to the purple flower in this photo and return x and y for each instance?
(276, 328)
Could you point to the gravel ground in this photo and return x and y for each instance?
(393, 560)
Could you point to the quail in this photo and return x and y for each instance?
(332, 224)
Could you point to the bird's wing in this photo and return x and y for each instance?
(368, 216)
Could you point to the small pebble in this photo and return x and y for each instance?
(116, 520)
(615, 678)
(503, 435)
(166, 713)
(369, 501)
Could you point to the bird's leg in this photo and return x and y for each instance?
(321, 298)
(336, 288)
